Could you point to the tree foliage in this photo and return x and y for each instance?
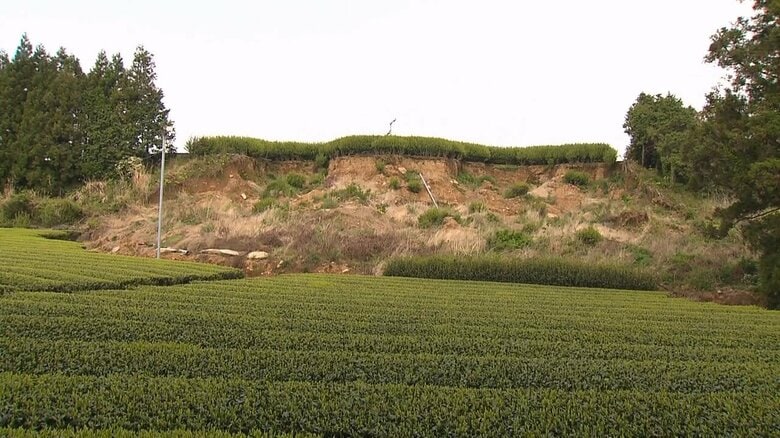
(659, 127)
(60, 126)
(738, 147)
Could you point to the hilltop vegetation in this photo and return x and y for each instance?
(407, 146)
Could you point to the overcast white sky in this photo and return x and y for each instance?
(507, 73)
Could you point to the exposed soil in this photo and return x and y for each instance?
(215, 211)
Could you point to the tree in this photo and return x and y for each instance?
(17, 81)
(107, 136)
(147, 114)
(659, 127)
(739, 137)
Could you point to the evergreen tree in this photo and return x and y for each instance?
(17, 82)
(739, 147)
(106, 137)
(148, 116)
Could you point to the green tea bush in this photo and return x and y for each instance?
(589, 236)
(577, 178)
(435, 217)
(396, 145)
(504, 240)
(516, 190)
(549, 271)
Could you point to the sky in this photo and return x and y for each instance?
(503, 73)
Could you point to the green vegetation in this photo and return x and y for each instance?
(589, 236)
(394, 183)
(37, 211)
(516, 190)
(503, 240)
(61, 126)
(354, 355)
(263, 205)
(414, 146)
(576, 178)
(731, 145)
(548, 271)
(413, 181)
(351, 192)
(434, 217)
(477, 207)
(472, 181)
(32, 262)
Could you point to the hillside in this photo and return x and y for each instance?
(361, 210)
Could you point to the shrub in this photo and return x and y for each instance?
(503, 240)
(394, 183)
(19, 203)
(589, 236)
(263, 205)
(472, 181)
(576, 178)
(413, 181)
(380, 166)
(279, 187)
(516, 190)
(296, 180)
(414, 186)
(549, 271)
(352, 191)
(477, 207)
(58, 211)
(435, 217)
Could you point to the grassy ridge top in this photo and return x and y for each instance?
(416, 146)
(30, 261)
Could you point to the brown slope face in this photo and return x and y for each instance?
(359, 212)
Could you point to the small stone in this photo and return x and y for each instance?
(114, 250)
(227, 252)
(257, 255)
(243, 196)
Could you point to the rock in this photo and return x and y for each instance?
(281, 263)
(401, 170)
(176, 250)
(345, 270)
(257, 255)
(114, 250)
(243, 196)
(227, 252)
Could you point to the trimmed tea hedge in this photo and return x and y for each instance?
(383, 356)
(39, 260)
(550, 271)
(415, 146)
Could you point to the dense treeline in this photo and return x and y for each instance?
(419, 146)
(733, 144)
(60, 126)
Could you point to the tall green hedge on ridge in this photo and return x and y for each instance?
(396, 145)
(547, 271)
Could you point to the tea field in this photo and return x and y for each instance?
(42, 260)
(383, 356)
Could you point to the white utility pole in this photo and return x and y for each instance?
(160, 207)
